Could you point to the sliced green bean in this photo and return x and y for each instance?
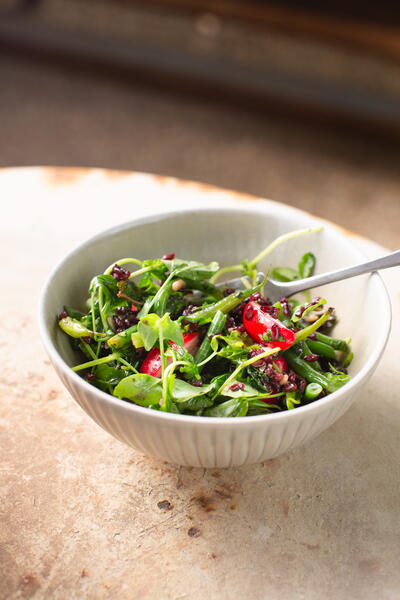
(329, 382)
(216, 326)
(312, 391)
(123, 339)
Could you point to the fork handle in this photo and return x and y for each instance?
(390, 260)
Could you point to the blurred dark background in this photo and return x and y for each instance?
(299, 102)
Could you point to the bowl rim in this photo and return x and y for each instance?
(244, 205)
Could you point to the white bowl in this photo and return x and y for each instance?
(227, 235)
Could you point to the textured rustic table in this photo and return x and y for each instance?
(85, 517)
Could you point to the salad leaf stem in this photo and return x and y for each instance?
(205, 361)
(224, 270)
(279, 240)
(216, 326)
(164, 405)
(140, 271)
(103, 316)
(88, 349)
(147, 306)
(92, 312)
(242, 366)
(304, 333)
(123, 261)
(98, 361)
(127, 364)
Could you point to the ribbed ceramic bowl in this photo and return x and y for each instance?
(227, 235)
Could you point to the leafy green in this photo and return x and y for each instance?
(156, 267)
(151, 325)
(258, 407)
(171, 329)
(191, 269)
(148, 329)
(148, 284)
(175, 305)
(189, 367)
(292, 399)
(195, 404)
(183, 391)
(284, 274)
(106, 281)
(140, 388)
(108, 376)
(306, 265)
(236, 407)
(258, 380)
(234, 349)
(248, 390)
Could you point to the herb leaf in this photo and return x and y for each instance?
(170, 329)
(140, 388)
(307, 265)
(106, 281)
(148, 329)
(284, 274)
(236, 407)
(248, 391)
(183, 391)
(192, 269)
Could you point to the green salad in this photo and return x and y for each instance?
(169, 337)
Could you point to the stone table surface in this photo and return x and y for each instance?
(83, 516)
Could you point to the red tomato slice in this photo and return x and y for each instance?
(152, 363)
(258, 323)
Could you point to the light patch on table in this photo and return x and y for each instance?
(68, 467)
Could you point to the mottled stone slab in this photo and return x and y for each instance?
(83, 516)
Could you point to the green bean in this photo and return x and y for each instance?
(322, 349)
(74, 328)
(216, 326)
(336, 343)
(305, 351)
(312, 391)
(329, 382)
(206, 315)
(160, 305)
(123, 339)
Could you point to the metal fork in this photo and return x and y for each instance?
(275, 290)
